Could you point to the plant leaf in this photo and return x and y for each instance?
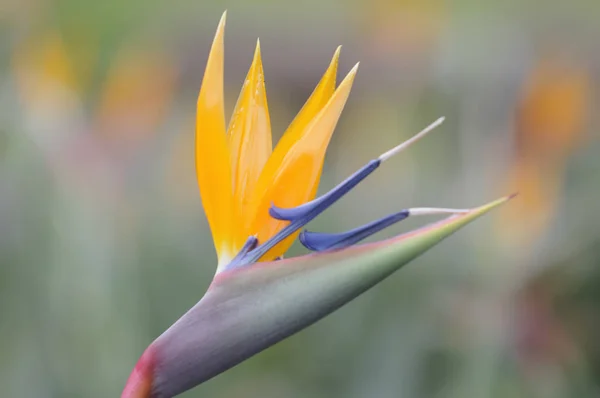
(248, 309)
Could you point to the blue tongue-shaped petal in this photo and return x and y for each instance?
(311, 209)
(317, 241)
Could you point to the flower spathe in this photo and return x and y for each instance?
(242, 154)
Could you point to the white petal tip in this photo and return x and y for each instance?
(397, 149)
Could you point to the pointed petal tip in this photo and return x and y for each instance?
(349, 79)
(336, 55)
(333, 66)
(257, 54)
(406, 144)
(217, 46)
(221, 25)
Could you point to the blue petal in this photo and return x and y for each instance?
(318, 205)
(316, 241)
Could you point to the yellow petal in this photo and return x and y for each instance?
(213, 166)
(292, 179)
(313, 105)
(250, 144)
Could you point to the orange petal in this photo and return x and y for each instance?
(292, 179)
(313, 105)
(213, 165)
(250, 144)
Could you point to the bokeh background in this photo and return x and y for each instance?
(103, 241)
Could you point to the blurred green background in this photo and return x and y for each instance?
(104, 244)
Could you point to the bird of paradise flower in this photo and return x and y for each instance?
(256, 200)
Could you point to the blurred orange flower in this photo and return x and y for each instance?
(551, 118)
(136, 96)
